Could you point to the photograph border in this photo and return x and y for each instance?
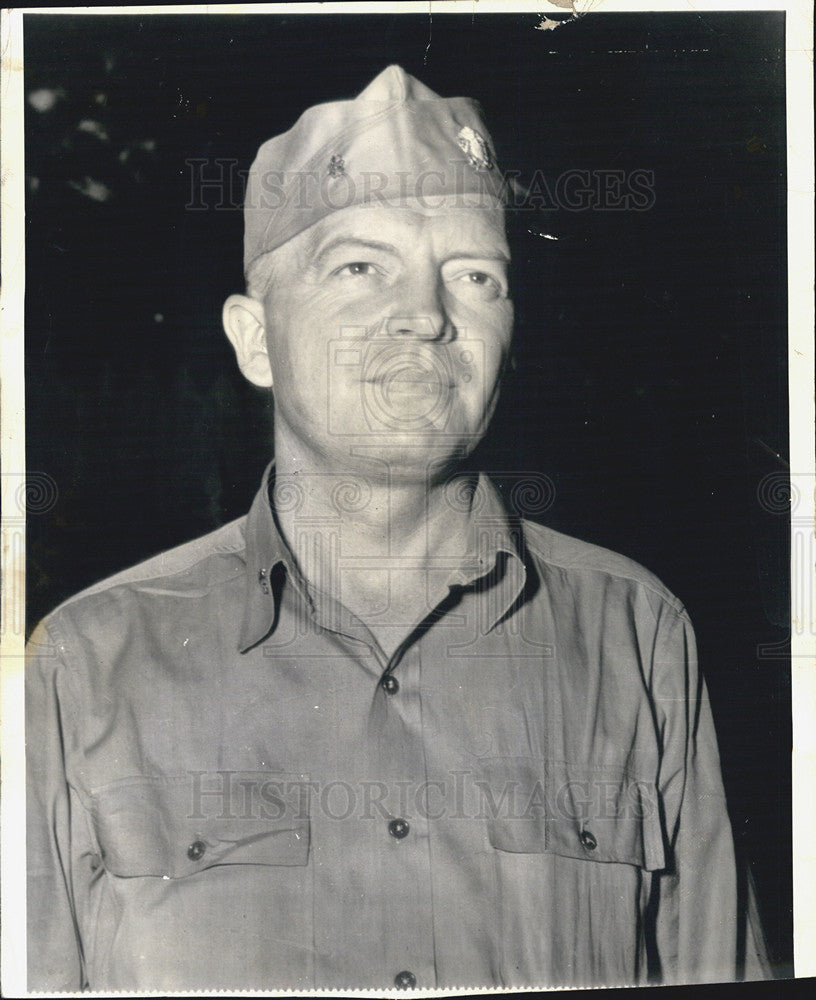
(799, 112)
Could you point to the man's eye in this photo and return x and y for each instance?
(479, 284)
(479, 278)
(357, 269)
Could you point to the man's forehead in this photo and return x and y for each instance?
(476, 229)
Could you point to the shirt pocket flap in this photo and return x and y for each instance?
(175, 827)
(596, 814)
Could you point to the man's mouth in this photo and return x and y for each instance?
(410, 377)
(413, 385)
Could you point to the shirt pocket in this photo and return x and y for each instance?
(599, 814)
(574, 850)
(174, 827)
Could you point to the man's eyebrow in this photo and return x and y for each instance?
(498, 256)
(317, 252)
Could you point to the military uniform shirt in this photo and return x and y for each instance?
(230, 785)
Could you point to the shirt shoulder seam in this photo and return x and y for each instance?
(533, 533)
(148, 570)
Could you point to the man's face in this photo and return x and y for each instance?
(387, 329)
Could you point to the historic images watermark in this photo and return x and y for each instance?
(793, 495)
(218, 184)
(461, 795)
(24, 495)
(402, 388)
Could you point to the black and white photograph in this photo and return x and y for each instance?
(408, 500)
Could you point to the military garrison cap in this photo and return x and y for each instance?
(396, 141)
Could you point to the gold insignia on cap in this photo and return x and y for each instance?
(337, 167)
(473, 145)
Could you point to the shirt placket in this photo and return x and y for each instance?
(373, 879)
(400, 743)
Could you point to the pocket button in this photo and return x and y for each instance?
(588, 840)
(196, 850)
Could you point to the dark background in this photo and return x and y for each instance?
(651, 356)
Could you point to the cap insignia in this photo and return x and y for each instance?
(336, 166)
(475, 148)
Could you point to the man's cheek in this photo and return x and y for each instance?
(334, 298)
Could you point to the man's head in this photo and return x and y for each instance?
(377, 303)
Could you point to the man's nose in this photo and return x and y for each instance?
(420, 311)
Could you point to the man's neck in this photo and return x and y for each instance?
(383, 544)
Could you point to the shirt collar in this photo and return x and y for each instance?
(267, 561)
(493, 565)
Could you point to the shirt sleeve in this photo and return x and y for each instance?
(54, 951)
(700, 936)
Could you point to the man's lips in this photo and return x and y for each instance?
(410, 377)
(416, 388)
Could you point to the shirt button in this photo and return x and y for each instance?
(390, 684)
(398, 828)
(196, 850)
(405, 980)
(588, 840)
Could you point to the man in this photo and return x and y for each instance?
(377, 733)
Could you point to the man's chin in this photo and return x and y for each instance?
(410, 455)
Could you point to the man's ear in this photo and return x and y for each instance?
(244, 325)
